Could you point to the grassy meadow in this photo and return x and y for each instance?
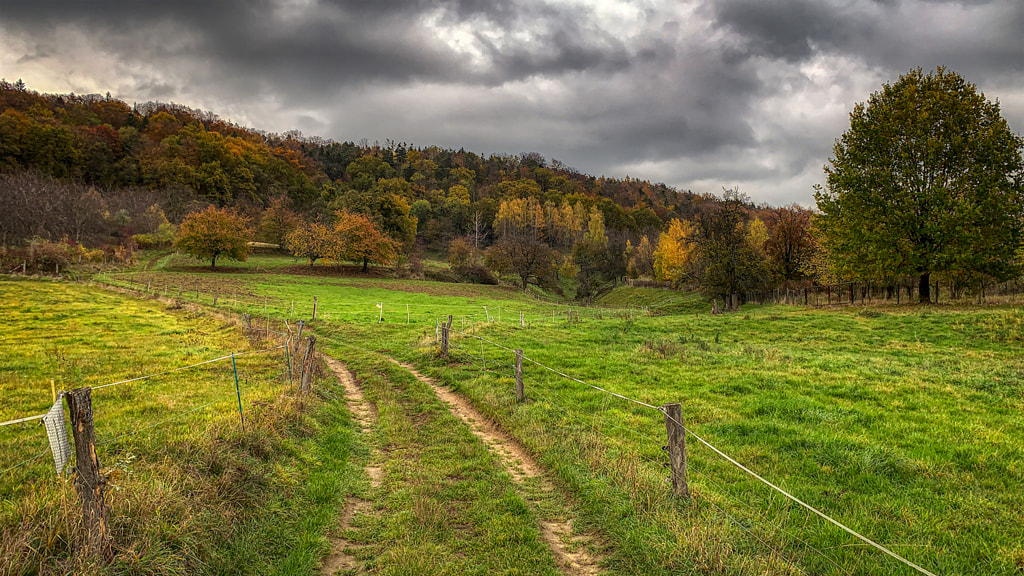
(188, 490)
(904, 423)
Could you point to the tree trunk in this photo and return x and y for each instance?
(213, 262)
(524, 281)
(924, 289)
(365, 264)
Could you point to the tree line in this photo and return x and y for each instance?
(926, 183)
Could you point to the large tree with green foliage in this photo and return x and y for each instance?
(927, 179)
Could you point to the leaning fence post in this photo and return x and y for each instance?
(314, 307)
(89, 481)
(520, 395)
(305, 382)
(676, 448)
(445, 332)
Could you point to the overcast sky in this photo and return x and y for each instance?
(699, 95)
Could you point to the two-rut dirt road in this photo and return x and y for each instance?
(573, 553)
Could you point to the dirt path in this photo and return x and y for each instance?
(570, 551)
(365, 413)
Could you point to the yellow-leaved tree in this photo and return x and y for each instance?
(676, 251)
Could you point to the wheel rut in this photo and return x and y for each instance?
(341, 559)
(571, 551)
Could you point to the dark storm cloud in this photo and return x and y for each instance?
(330, 43)
(974, 36)
(708, 93)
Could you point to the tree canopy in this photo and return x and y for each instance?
(212, 233)
(927, 179)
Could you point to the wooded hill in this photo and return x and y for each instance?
(181, 158)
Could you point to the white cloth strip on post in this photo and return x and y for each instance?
(57, 434)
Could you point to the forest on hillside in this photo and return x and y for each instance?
(97, 176)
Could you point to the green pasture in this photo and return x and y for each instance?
(189, 490)
(904, 423)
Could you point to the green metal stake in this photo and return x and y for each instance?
(238, 392)
(288, 356)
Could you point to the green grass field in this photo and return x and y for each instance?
(904, 423)
(189, 491)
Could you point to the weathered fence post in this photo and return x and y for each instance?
(522, 321)
(520, 395)
(380, 314)
(305, 382)
(288, 359)
(676, 448)
(445, 333)
(298, 336)
(89, 482)
(314, 307)
(147, 285)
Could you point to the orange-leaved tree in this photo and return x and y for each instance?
(313, 241)
(212, 233)
(361, 241)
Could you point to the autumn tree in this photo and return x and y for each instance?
(675, 254)
(729, 259)
(520, 248)
(361, 241)
(278, 221)
(927, 179)
(790, 246)
(640, 258)
(212, 233)
(591, 259)
(313, 241)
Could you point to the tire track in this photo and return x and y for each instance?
(571, 551)
(365, 414)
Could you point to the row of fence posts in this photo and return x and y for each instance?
(675, 428)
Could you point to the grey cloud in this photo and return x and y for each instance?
(683, 90)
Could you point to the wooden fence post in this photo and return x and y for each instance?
(676, 448)
(520, 395)
(445, 334)
(89, 482)
(298, 336)
(305, 383)
(314, 307)
(522, 321)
